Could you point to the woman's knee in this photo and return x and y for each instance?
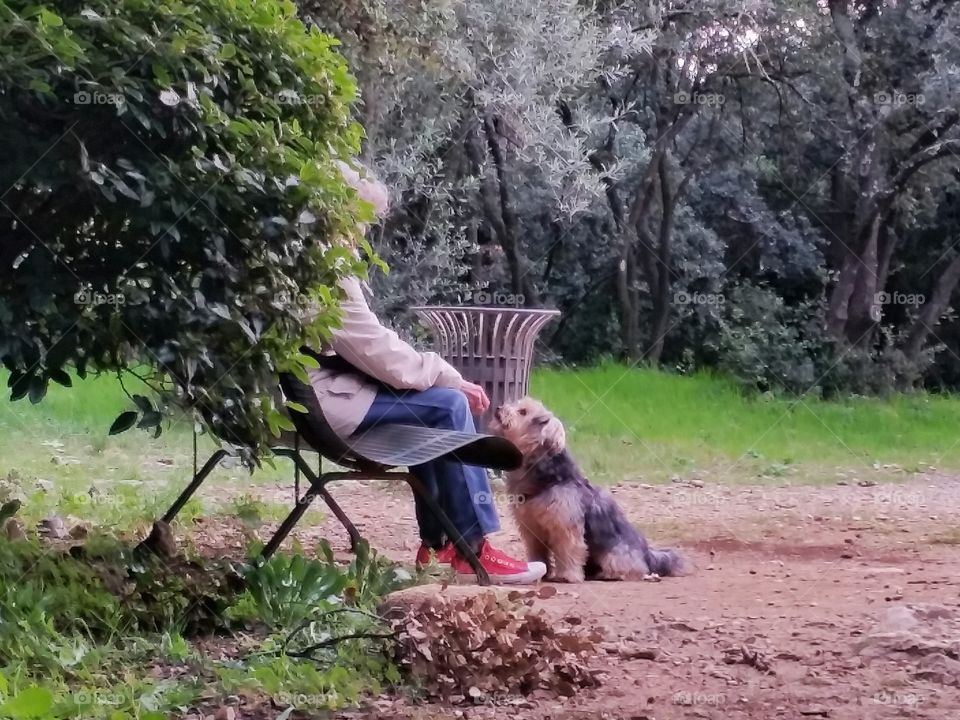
(454, 408)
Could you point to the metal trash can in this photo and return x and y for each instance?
(491, 346)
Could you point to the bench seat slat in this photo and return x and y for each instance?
(406, 445)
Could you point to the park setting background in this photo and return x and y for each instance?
(747, 215)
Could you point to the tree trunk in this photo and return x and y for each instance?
(863, 311)
(627, 298)
(932, 310)
(664, 263)
(520, 280)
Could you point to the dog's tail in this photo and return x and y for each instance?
(666, 563)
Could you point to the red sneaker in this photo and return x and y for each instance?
(443, 556)
(502, 569)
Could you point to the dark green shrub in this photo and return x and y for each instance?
(761, 341)
(169, 200)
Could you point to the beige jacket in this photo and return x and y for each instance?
(376, 350)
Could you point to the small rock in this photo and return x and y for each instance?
(929, 611)
(225, 713)
(53, 527)
(939, 668)
(161, 540)
(640, 654)
(44, 485)
(13, 529)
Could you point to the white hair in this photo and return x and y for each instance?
(367, 186)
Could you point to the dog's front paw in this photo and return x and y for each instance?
(564, 578)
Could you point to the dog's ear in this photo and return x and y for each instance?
(552, 435)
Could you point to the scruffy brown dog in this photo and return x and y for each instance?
(576, 528)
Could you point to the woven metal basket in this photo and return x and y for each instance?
(491, 346)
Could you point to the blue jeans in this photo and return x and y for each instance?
(463, 491)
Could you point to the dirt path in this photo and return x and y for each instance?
(838, 602)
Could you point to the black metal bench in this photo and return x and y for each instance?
(375, 454)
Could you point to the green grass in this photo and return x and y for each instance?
(57, 455)
(630, 424)
(622, 425)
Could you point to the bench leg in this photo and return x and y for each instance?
(188, 491)
(301, 465)
(194, 485)
(449, 528)
(317, 487)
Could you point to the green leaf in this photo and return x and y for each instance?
(124, 422)
(31, 702)
(40, 86)
(228, 51)
(60, 377)
(125, 189)
(170, 97)
(38, 389)
(300, 374)
(308, 361)
(20, 388)
(50, 18)
(8, 510)
(150, 419)
(295, 406)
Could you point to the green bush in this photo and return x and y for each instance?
(762, 341)
(169, 200)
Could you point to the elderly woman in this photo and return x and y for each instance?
(398, 384)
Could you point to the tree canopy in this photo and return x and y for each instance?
(766, 188)
(170, 205)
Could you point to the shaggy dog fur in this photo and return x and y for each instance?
(576, 528)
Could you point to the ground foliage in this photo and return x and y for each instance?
(95, 629)
(482, 645)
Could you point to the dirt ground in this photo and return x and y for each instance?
(829, 601)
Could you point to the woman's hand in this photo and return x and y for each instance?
(476, 397)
